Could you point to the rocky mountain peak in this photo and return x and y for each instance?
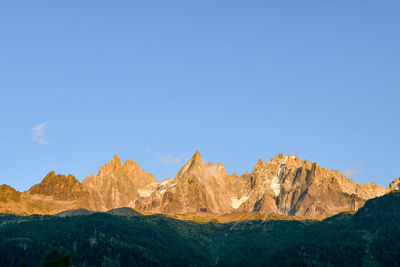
(129, 164)
(193, 165)
(116, 159)
(59, 186)
(198, 187)
(49, 175)
(260, 162)
(196, 156)
(281, 156)
(395, 184)
(196, 167)
(116, 184)
(52, 177)
(284, 185)
(291, 161)
(7, 193)
(113, 164)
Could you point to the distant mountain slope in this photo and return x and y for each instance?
(123, 237)
(285, 185)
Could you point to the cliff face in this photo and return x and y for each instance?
(395, 185)
(118, 185)
(198, 187)
(285, 185)
(59, 187)
(7, 193)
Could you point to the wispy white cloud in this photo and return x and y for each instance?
(39, 132)
(169, 159)
(352, 172)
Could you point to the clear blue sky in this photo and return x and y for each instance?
(153, 81)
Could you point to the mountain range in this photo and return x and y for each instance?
(282, 186)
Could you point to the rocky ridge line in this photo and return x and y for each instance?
(285, 185)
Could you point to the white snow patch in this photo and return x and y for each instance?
(165, 182)
(164, 186)
(236, 202)
(293, 157)
(275, 185)
(145, 193)
(280, 171)
(162, 191)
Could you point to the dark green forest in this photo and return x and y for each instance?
(123, 237)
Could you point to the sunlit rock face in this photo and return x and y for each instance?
(8, 194)
(287, 185)
(59, 187)
(118, 185)
(284, 185)
(395, 185)
(198, 187)
(55, 193)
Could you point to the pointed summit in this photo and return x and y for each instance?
(196, 156)
(50, 174)
(111, 165)
(203, 171)
(194, 161)
(194, 164)
(116, 159)
(118, 185)
(7, 193)
(131, 164)
(59, 186)
(281, 156)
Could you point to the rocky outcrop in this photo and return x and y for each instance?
(9, 194)
(59, 187)
(395, 184)
(283, 186)
(118, 185)
(198, 187)
(287, 185)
